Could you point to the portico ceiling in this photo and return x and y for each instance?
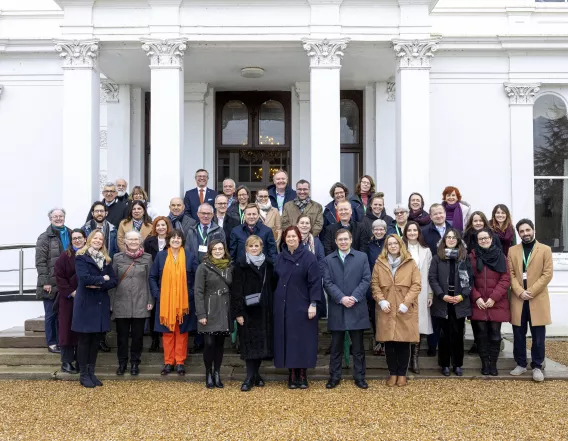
(219, 64)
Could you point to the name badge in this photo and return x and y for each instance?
(525, 276)
(202, 248)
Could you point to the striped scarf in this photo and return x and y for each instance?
(301, 204)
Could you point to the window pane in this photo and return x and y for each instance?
(250, 167)
(550, 134)
(350, 170)
(235, 123)
(349, 123)
(272, 123)
(551, 213)
(223, 166)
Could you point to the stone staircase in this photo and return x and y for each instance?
(23, 356)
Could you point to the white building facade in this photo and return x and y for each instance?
(419, 94)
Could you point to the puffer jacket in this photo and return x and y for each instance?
(47, 251)
(213, 298)
(490, 284)
(132, 295)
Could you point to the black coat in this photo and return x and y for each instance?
(369, 218)
(151, 246)
(256, 336)
(229, 222)
(360, 239)
(438, 279)
(432, 236)
(116, 213)
(299, 285)
(470, 239)
(330, 219)
(240, 234)
(91, 307)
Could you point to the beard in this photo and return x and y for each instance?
(121, 193)
(527, 239)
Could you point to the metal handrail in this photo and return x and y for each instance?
(21, 247)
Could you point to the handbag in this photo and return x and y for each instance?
(254, 299)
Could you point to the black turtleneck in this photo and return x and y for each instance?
(527, 249)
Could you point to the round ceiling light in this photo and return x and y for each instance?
(252, 72)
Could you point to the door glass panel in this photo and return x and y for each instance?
(250, 167)
(350, 170)
(235, 123)
(271, 123)
(349, 122)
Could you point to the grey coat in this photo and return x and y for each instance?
(192, 239)
(47, 251)
(351, 278)
(131, 297)
(212, 298)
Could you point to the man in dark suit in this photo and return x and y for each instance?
(222, 218)
(357, 229)
(252, 225)
(116, 210)
(199, 195)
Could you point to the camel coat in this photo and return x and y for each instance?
(404, 287)
(291, 213)
(539, 275)
(125, 227)
(273, 221)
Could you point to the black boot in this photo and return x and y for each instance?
(414, 351)
(103, 345)
(209, 379)
(217, 380)
(303, 374)
(84, 377)
(134, 369)
(494, 349)
(121, 369)
(68, 368)
(485, 366)
(473, 350)
(94, 379)
(292, 379)
(155, 346)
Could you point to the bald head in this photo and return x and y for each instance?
(177, 206)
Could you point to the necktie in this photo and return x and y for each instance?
(201, 197)
(205, 228)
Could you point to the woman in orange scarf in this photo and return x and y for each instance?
(171, 282)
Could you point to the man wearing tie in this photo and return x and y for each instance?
(201, 234)
(199, 195)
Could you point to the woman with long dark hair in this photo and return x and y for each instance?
(476, 222)
(244, 198)
(363, 191)
(502, 224)
(416, 210)
(137, 219)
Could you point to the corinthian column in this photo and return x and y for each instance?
(325, 64)
(80, 149)
(413, 115)
(166, 129)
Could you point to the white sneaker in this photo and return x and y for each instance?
(519, 370)
(537, 375)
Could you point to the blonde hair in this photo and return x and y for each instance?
(254, 239)
(88, 245)
(404, 254)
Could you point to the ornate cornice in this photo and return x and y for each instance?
(520, 93)
(165, 54)
(415, 54)
(110, 91)
(78, 54)
(391, 91)
(325, 53)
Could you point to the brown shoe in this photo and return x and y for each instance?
(391, 381)
(401, 381)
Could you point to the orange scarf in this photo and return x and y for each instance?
(174, 298)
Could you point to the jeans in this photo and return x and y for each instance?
(520, 340)
(51, 323)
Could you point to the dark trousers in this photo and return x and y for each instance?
(336, 355)
(68, 354)
(371, 304)
(213, 350)
(487, 335)
(520, 340)
(435, 336)
(398, 357)
(134, 327)
(88, 347)
(51, 322)
(252, 368)
(450, 346)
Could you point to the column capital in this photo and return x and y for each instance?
(78, 54)
(521, 93)
(165, 54)
(325, 53)
(110, 91)
(415, 54)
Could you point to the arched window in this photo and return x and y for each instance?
(349, 121)
(235, 123)
(550, 137)
(272, 127)
(350, 129)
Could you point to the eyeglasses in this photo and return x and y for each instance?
(98, 211)
(77, 239)
(399, 213)
(378, 229)
(220, 204)
(262, 197)
(58, 217)
(483, 239)
(109, 191)
(205, 214)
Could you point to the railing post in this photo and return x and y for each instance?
(21, 271)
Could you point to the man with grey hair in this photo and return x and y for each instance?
(121, 187)
(50, 244)
(229, 186)
(117, 210)
(201, 234)
(179, 218)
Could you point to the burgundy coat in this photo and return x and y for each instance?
(66, 280)
(490, 284)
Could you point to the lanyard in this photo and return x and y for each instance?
(241, 215)
(203, 237)
(526, 260)
(398, 230)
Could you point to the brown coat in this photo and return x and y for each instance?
(291, 213)
(273, 221)
(404, 287)
(125, 227)
(539, 275)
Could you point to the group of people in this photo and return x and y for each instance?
(220, 263)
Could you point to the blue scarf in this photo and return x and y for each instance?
(63, 236)
(137, 224)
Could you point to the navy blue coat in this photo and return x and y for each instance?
(189, 320)
(329, 216)
(289, 195)
(91, 307)
(191, 201)
(374, 250)
(240, 234)
(349, 278)
(320, 256)
(432, 236)
(299, 284)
